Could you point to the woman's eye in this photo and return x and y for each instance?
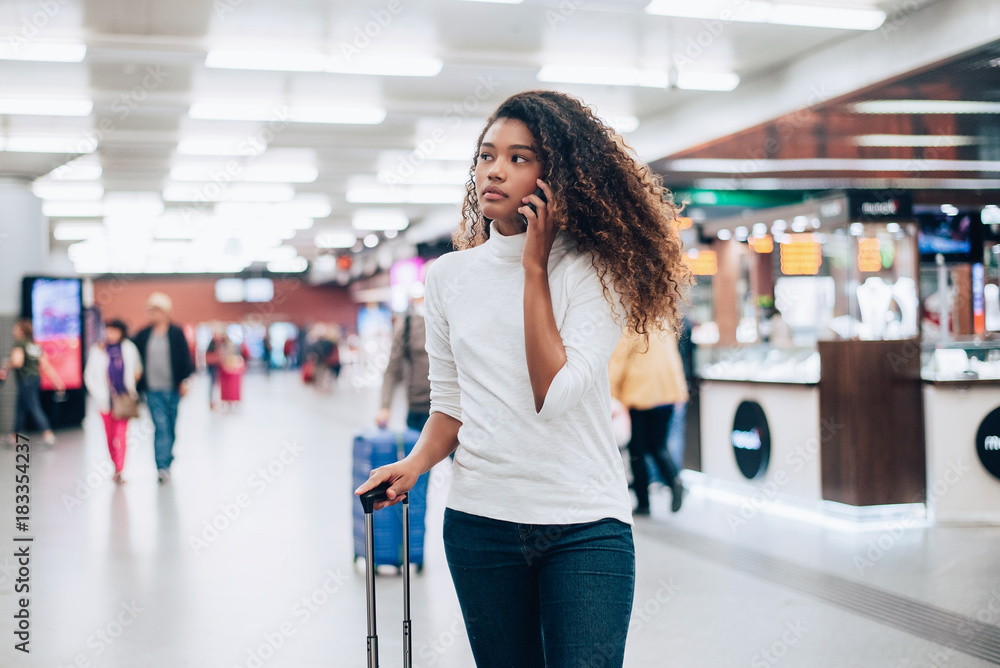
(520, 158)
(484, 156)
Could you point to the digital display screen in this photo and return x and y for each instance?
(949, 235)
(259, 289)
(56, 310)
(229, 290)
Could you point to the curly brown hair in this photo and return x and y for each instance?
(605, 199)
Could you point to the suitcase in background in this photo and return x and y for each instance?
(230, 384)
(374, 448)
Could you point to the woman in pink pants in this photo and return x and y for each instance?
(113, 367)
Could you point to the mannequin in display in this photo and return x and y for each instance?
(874, 299)
(904, 293)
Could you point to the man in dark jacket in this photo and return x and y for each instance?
(166, 365)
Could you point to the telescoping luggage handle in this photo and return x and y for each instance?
(368, 501)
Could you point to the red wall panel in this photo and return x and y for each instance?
(194, 302)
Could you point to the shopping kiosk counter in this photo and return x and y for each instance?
(962, 422)
(840, 422)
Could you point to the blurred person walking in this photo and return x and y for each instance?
(408, 360)
(213, 360)
(29, 363)
(166, 365)
(649, 380)
(113, 369)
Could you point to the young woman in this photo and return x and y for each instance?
(29, 363)
(113, 369)
(520, 328)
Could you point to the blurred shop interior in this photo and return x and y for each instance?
(278, 168)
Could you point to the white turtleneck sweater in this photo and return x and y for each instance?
(557, 466)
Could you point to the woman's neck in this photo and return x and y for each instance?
(509, 228)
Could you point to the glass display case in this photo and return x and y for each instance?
(975, 360)
(760, 364)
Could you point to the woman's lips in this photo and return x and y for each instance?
(493, 196)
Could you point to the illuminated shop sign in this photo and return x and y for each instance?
(702, 263)
(751, 440)
(988, 443)
(764, 244)
(875, 205)
(869, 255)
(801, 255)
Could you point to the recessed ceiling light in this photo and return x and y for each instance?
(371, 241)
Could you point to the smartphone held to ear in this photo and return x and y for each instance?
(541, 194)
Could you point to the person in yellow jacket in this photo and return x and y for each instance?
(648, 382)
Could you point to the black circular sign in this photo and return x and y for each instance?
(988, 443)
(751, 439)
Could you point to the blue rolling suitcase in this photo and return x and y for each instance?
(374, 448)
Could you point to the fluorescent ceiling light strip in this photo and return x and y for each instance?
(72, 171)
(259, 173)
(811, 16)
(218, 146)
(45, 107)
(778, 13)
(12, 49)
(390, 66)
(830, 184)
(79, 144)
(290, 61)
(236, 59)
(497, 2)
(400, 195)
(67, 191)
(335, 240)
(256, 111)
(916, 140)
(72, 209)
(626, 76)
(722, 165)
(380, 219)
(78, 231)
(926, 107)
(715, 81)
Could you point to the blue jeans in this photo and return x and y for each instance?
(29, 401)
(542, 596)
(163, 410)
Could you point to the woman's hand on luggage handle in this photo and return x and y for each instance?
(403, 476)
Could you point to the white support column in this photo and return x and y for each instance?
(24, 240)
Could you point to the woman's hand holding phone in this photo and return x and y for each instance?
(541, 230)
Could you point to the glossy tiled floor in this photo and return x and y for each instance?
(245, 559)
